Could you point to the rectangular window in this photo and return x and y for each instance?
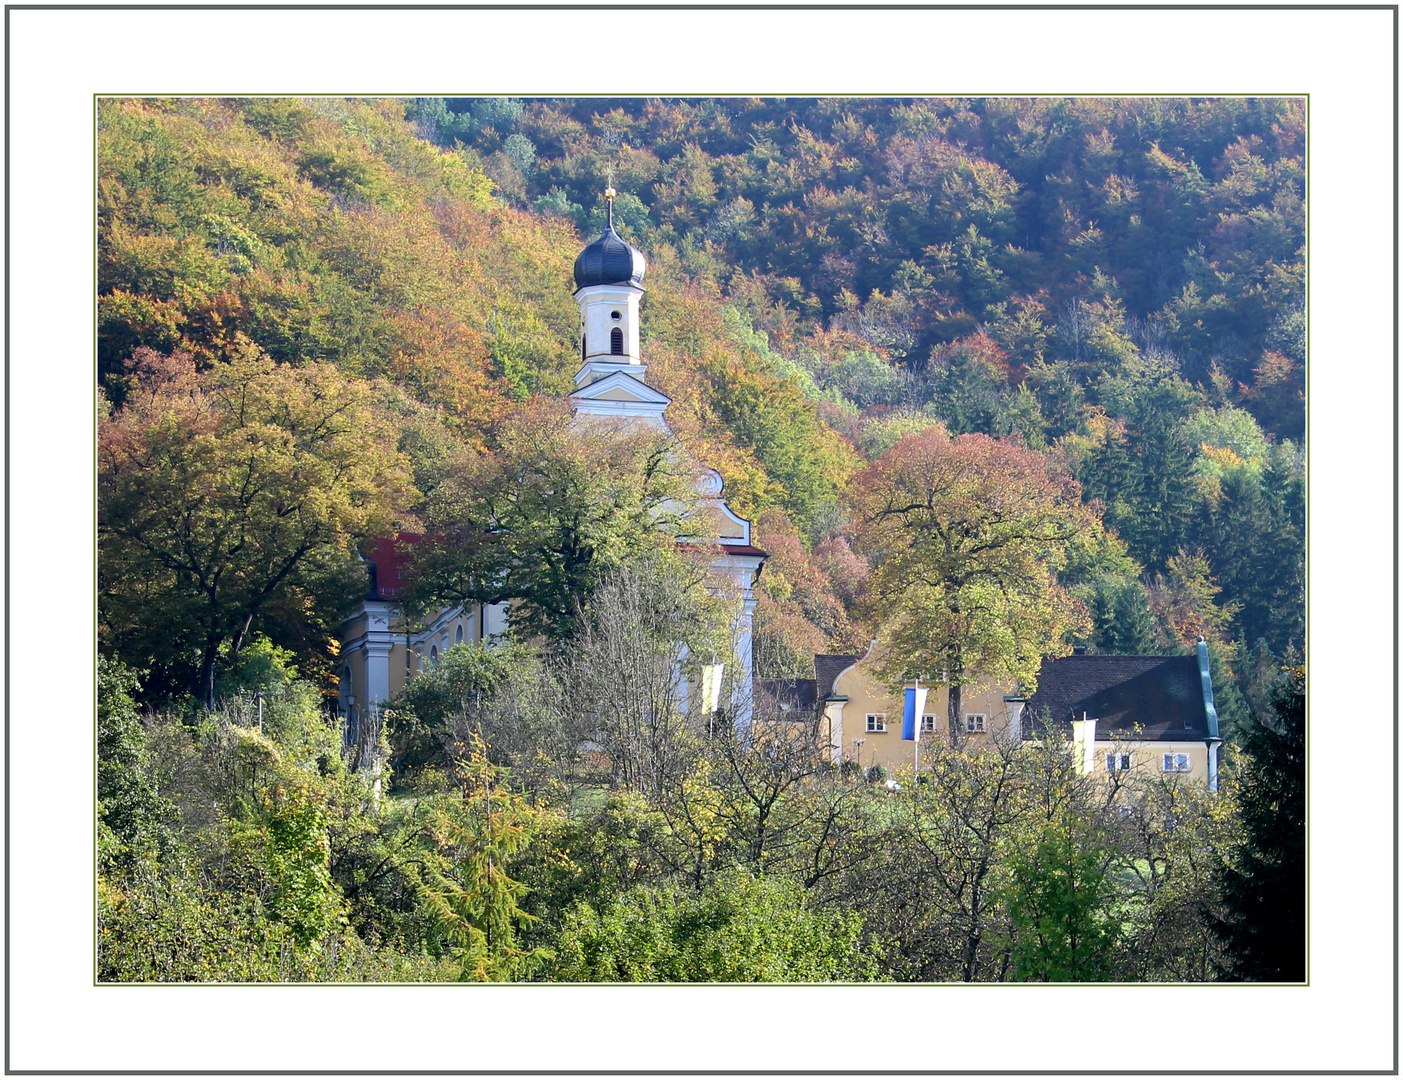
(876, 721)
(1176, 762)
(974, 722)
(1118, 762)
(928, 723)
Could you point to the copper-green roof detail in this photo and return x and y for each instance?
(1208, 707)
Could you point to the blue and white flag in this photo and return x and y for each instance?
(915, 709)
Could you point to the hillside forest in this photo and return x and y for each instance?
(324, 321)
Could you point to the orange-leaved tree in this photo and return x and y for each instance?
(967, 536)
(227, 493)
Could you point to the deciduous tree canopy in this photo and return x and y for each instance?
(990, 376)
(967, 536)
(542, 516)
(227, 492)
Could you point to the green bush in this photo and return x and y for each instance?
(420, 716)
(739, 929)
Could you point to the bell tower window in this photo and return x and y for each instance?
(616, 342)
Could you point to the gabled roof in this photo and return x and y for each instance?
(828, 667)
(620, 394)
(785, 699)
(1167, 698)
(620, 386)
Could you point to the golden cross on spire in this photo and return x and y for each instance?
(609, 194)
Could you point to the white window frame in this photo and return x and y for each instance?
(976, 723)
(928, 724)
(1119, 761)
(1176, 761)
(876, 721)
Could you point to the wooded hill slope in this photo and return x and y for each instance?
(935, 218)
(1118, 284)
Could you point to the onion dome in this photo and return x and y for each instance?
(609, 260)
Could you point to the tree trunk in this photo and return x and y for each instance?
(206, 689)
(955, 713)
(243, 633)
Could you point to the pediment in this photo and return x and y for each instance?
(621, 387)
(618, 393)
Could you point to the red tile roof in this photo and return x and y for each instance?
(387, 558)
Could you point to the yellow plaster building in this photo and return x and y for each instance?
(1150, 715)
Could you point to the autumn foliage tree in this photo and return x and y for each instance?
(539, 519)
(967, 536)
(227, 493)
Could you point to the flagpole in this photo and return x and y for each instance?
(916, 777)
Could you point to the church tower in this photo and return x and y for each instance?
(609, 289)
(380, 654)
(610, 382)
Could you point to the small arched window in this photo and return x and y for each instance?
(458, 635)
(616, 341)
(433, 655)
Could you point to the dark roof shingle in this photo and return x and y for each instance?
(785, 699)
(827, 667)
(1161, 696)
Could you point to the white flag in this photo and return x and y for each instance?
(711, 687)
(1084, 744)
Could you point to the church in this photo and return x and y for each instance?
(381, 651)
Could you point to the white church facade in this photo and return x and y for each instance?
(381, 651)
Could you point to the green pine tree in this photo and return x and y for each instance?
(1264, 878)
